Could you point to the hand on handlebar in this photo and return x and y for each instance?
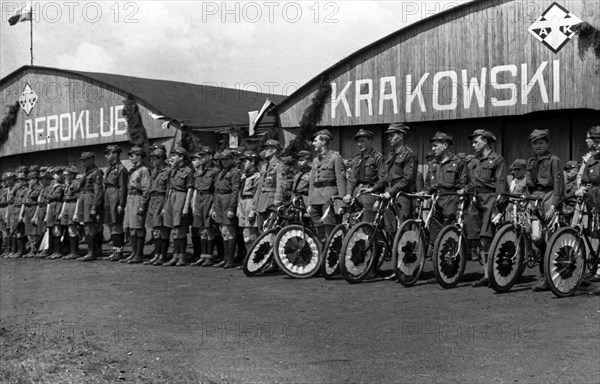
(347, 199)
(581, 191)
(550, 213)
(386, 195)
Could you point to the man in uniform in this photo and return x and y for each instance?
(327, 179)
(366, 172)
(55, 201)
(224, 208)
(32, 230)
(301, 184)
(399, 175)
(18, 211)
(89, 205)
(138, 189)
(246, 210)
(115, 199)
(272, 181)
(568, 207)
(7, 183)
(544, 181)
(487, 179)
(154, 204)
(446, 174)
(10, 239)
(177, 211)
(203, 229)
(42, 209)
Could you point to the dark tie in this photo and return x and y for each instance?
(361, 170)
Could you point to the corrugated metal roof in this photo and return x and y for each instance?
(201, 107)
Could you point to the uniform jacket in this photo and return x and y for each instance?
(228, 183)
(205, 178)
(400, 172)
(182, 178)
(92, 184)
(139, 180)
(327, 178)
(373, 171)
(116, 176)
(32, 195)
(487, 174)
(72, 191)
(271, 179)
(56, 192)
(545, 173)
(159, 183)
(449, 175)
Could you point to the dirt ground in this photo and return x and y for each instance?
(102, 322)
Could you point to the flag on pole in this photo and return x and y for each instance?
(257, 116)
(22, 14)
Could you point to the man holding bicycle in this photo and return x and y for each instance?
(487, 180)
(447, 174)
(544, 181)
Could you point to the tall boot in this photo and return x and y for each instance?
(73, 247)
(210, 249)
(56, 254)
(113, 241)
(182, 245)
(176, 249)
(219, 244)
(156, 252)
(230, 246)
(162, 252)
(98, 244)
(197, 247)
(20, 247)
(241, 246)
(91, 242)
(133, 239)
(139, 252)
(15, 247)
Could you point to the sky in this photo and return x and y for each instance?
(270, 46)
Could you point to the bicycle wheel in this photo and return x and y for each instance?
(358, 252)
(565, 262)
(332, 250)
(506, 258)
(409, 252)
(297, 252)
(449, 257)
(260, 252)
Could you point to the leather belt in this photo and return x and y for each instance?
(247, 196)
(323, 184)
(203, 192)
(135, 192)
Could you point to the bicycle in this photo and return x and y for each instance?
(333, 245)
(512, 250)
(410, 243)
(364, 243)
(297, 249)
(449, 249)
(566, 257)
(261, 251)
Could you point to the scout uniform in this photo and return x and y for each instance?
(180, 183)
(138, 189)
(89, 205)
(272, 180)
(115, 200)
(326, 179)
(568, 207)
(590, 177)
(11, 193)
(366, 171)
(55, 202)
(227, 186)
(246, 211)
(443, 176)
(42, 209)
(154, 204)
(399, 175)
(301, 184)
(18, 211)
(68, 215)
(4, 189)
(203, 235)
(31, 199)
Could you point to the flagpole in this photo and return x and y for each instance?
(31, 36)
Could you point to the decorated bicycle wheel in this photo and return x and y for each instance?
(260, 252)
(506, 258)
(358, 252)
(332, 251)
(409, 253)
(297, 251)
(565, 262)
(449, 257)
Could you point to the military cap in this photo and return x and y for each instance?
(325, 133)
(71, 169)
(33, 175)
(539, 134)
(236, 152)
(57, 169)
(159, 146)
(518, 164)
(135, 150)
(180, 151)
(34, 168)
(206, 150)
(303, 153)
(594, 132)
(272, 143)
(217, 156)
(227, 154)
(114, 148)
(44, 169)
(10, 175)
(483, 132)
(250, 155)
(158, 153)
(397, 128)
(288, 161)
(22, 169)
(364, 133)
(441, 136)
(572, 164)
(87, 155)
(21, 176)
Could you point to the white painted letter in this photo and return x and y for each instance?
(512, 69)
(473, 86)
(28, 132)
(538, 77)
(411, 95)
(391, 80)
(436, 91)
(335, 100)
(62, 131)
(358, 96)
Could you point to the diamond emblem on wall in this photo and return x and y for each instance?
(553, 28)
